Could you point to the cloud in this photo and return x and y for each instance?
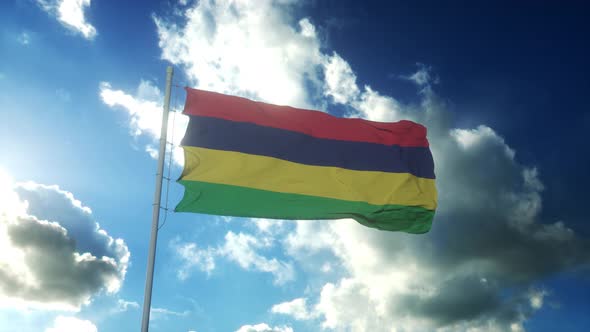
(145, 108)
(163, 313)
(53, 255)
(123, 305)
(263, 327)
(70, 13)
(145, 115)
(269, 226)
(191, 256)
(373, 106)
(71, 324)
(247, 48)
(340, 80)
(240, 248)
(536, 298)
(422, 77)
(296, 308)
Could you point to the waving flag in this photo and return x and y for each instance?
(251, 159)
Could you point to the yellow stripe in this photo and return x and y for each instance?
(272, 174)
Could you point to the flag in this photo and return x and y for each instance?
(251, 159)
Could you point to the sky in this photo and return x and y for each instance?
(501, 87)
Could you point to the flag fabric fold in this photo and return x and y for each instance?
(251, 159)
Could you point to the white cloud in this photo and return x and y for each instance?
(163, 313)
(310, 236)
(373, 106)
(225, 219)
(53, 255)
(191, 256)
(246, 48)
(296, 308)
(349, 305)
(423, 76)
(71, 324)
(536, 298)
(242, 249)
(123, 305)
(145, 115)
(340, 80)
(263, 327)
(269, 226)
(70, 13)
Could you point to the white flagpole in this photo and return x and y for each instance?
(149, 278)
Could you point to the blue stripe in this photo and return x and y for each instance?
(219, 134)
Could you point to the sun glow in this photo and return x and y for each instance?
(10, 204)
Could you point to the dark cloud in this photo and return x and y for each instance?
(460, 299)
(50, 203)
(66, 257)
(489, 213)
(482, 264)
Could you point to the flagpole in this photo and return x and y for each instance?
(149, 278)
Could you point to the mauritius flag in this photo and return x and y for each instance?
(251, 159)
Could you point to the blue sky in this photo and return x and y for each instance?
(500, 86)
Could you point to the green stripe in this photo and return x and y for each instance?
(221, 199)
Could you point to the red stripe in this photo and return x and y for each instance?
(313, 123)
